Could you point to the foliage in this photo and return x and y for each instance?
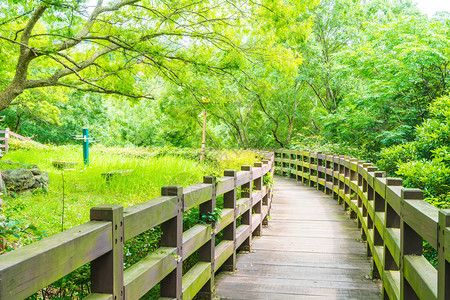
(425, 162)
(211, 217)
(398, 69)
(85, 187)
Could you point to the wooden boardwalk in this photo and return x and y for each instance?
(311, 250)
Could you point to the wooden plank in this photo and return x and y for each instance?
(421, 275)
(18, 136)
(378, 257)
(266, 168)
(243, 177)
(265, 211)
(256, 172)
(143, 216)
(394, 197)
(392, 284)
(39, 264)
(196, 194)
(354, 185)
(447, 243)
(423, 218)
(194, 238)
(256, 197)
(149, 271)
(223, 251)
(224, 184)
(226, 219)
(256, 221)
(392, 241)
(242, 233)
(379, 222)
(195, 279)
(310, 249)
(242, 205)
(380, 186)
(98, 296)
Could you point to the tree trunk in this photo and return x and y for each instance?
(9, 94)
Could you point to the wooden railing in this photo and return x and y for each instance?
(7, 134)
(26, 270)
(394, 221)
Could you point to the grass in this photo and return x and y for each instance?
(86, 187)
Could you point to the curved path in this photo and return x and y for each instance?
(311, 250)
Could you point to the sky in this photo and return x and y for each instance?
(430, 7)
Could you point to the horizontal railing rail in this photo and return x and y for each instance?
(7, 134)
(100, 242)
(394, 220)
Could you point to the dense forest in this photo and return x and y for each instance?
(367, 78)
(364, 78)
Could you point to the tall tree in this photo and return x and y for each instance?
(104, 48)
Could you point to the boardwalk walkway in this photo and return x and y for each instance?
(311, 250)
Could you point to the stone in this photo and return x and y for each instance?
(35, 170)
(18, 179)
(64, 164)
(22, 180)
(3, 186)
(42, 181)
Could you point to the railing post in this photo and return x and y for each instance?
(311, 171)
(107, 270)
(292, 166)
(298, 165)
(258, 182)
(443, 264)
(265, 199)
(207, 251)
(410, 243)
(391, 220)
(172, 236)
(7, 140)
(246, 192)
(336, 181)
(319, 174)
(229, 232)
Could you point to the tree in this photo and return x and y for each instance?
(106, 49)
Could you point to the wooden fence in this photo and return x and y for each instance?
(7, 134)
(394, 221)
(26, 270)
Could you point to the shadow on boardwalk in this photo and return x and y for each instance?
(311, 250)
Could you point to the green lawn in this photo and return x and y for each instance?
(85, 187)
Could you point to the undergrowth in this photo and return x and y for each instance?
(85, 187)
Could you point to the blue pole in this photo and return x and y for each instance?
(86, 146)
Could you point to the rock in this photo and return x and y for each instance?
(25, 178)
(3, 186)
(42, 181)
(35, 170)
(64, 164)
(18, 179)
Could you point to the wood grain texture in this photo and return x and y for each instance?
(311, 250)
